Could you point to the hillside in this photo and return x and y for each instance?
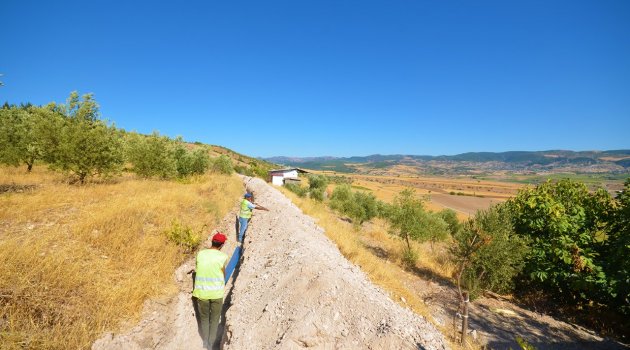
(473, 163)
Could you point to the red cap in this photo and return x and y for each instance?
(219, 238)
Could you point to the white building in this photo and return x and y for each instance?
(281, 176)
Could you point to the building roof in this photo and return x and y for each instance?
(301, 171)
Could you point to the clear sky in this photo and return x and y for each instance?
(340, 78)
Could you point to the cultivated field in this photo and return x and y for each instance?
(462, 194)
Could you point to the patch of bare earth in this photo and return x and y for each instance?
(293, 290)
(464, 204)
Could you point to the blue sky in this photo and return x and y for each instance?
(340, 78)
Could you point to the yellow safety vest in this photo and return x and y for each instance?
(209, 278)
(245, 211)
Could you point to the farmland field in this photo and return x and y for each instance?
(464, 194)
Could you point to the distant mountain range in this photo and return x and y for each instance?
(613, 161)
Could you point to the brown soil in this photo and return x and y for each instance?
(463, 204)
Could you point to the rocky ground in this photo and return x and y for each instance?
(293, 289)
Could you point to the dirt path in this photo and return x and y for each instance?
(293, 290)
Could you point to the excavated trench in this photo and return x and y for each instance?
(293, 289)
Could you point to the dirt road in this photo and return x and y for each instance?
(292, 290)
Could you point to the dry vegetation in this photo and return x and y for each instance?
(379, 255)
(77, 260)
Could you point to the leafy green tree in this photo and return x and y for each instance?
(19, 137)
(85, 145)
(317, 181)
(567, 227)
(24, 131)
(200, 161)
(260, 171)
(358, 206)
(384, 210)
(341, 194)
(366, 207)
(152, 156)
(183, 161)
(222, 165)
(243, 170)
(450, 217)
(297, 189)
(436, 228)
(190, 162)
(317, 194)
(409, 220)
(616, 251)
(488, 253)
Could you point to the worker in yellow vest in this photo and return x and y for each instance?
(209, 289)
(246, 214)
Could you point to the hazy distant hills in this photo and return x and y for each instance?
(613, 161)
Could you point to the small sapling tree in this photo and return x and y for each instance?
(488, 253)
(409, 221)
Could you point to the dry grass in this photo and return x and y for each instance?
(77, 260)
(384, 268)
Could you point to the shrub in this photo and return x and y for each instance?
(409, 258)
(317, 182)
(317, 194)
(567, 226)
(383, 209)
(450, 217)
(190, 162)
(244, 170)
(409, 221)
(616, 250)
(152, 156)
(297, 189)
(358, 206)
(183, 160)
(183, 236)
(223, 165)
(260, 171)
(341, 193)
(200, 161)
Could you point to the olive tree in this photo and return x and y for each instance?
(358, 206)
(152, 156)
(85, 145)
